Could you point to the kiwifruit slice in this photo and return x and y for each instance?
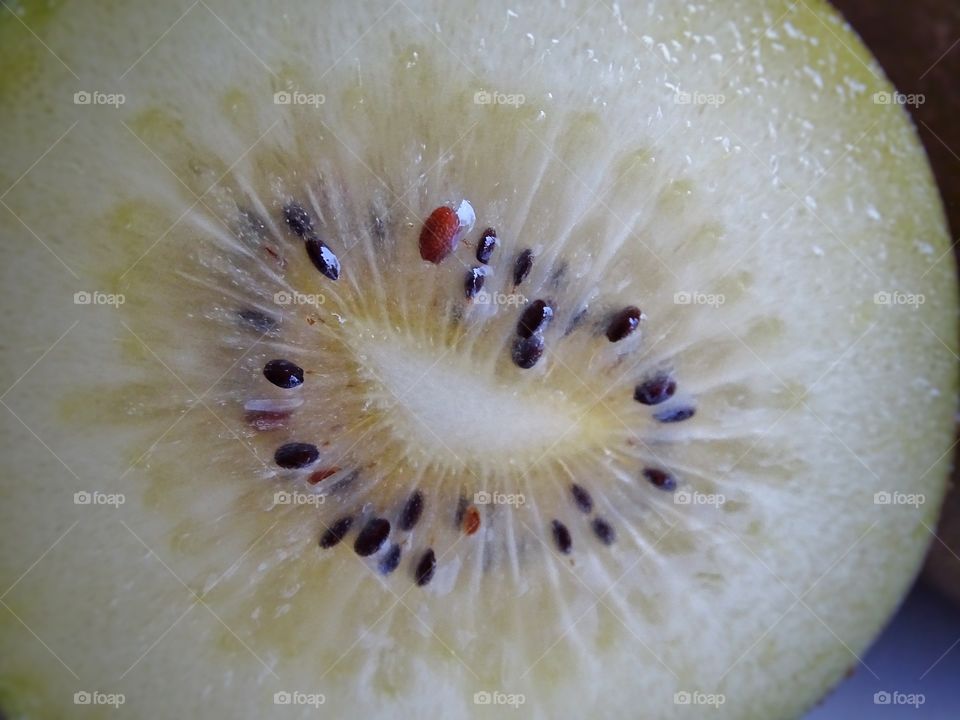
(468, 356)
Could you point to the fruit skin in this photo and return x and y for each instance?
(914, 44)
(27, 680)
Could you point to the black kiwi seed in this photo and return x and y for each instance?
(581, 497)
(296, 455)
(522, 266)
(473, 282)
(535, 318)
(486, 246)
(390, 560)
(298, 219)
(372, 537)
(603, 530)
(673, 416)
(336, 532)
(623, 323)
(425, 568)
(660, 478)
(256, 320)
(527, 351)
(561, 536)
(411, 511)
(323, 257)
(283, 373)
(655, 390)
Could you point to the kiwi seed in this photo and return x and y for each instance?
(660, 478)
(522, 266)
(372, 537)
(581, 498)
(336, 532)
(675, 416)
(391, 560)
(534, 319)
(527, 351)
(426, 567)
(439, 235)
(623, 323)
(488, 242)
(603, 530)
(471, 520)
(296, 455)
(298, 219)
(411, 511)
(283, 373)
(561, 536)
(473, 282)
(655, 390)
(323, 258)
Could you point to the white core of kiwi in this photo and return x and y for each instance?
(791, 204)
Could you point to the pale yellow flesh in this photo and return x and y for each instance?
(797, 200)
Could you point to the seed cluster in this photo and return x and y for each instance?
(439, 238)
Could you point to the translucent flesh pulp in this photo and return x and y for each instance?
(754, 233)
